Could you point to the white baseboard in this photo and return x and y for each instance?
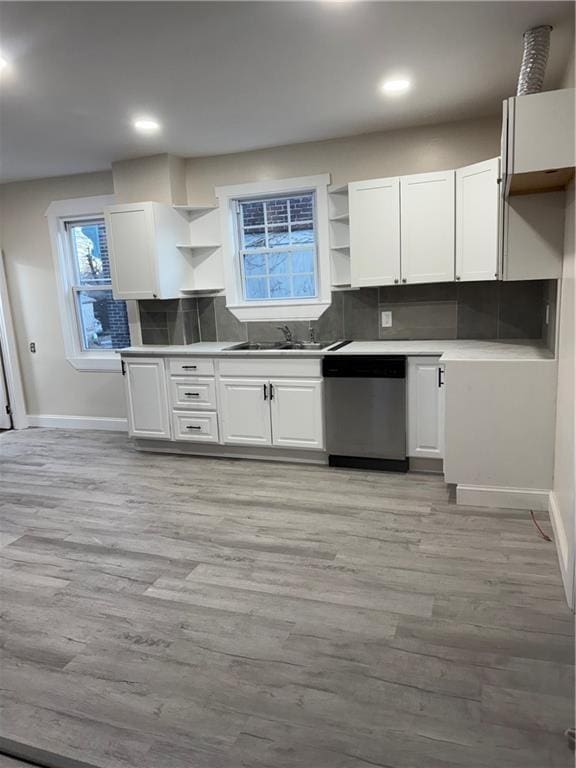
(505, 498)
(565, 554)
(78, 422)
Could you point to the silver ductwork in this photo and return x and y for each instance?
(534, 60)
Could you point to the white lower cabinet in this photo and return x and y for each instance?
(425, 408)
(147, 397)
(296, 406)
(245, 411)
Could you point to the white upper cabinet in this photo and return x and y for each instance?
(245, 411)
(477, 234)
(427, 231)
(425, 407)
(145, 260)
(147, 397)
(296, 406)
(374, 209)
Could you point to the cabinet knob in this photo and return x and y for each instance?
(457, 277)
(396, 280)
(404, 280)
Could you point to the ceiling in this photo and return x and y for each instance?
(226, 77)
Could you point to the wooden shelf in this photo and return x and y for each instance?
(342, 247)
(341, 190)
(343, 217)
(540, 181)
(193, 211)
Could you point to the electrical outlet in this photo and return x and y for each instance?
(386, 319)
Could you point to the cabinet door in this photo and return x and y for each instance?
(297, 413)
(374, 208)
(427, 232)
(131, 240)
(245, 411)
(477, 204)
(425, 407)
(147, 398)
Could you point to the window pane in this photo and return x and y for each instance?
(91, 252)
(278, 263)
(252, 214)
(280, 287)
(304, 285)
(256, 288)
(277, 211)
(303, 261)
(301, 233)
(254, 264)
(278, 236)
(255, 238)
(103, 320)
(302, 208)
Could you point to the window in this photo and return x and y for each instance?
(275, 248)
(102, 320)
(94, 323)
(278, 247)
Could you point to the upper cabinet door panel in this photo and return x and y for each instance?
(131, 240)
(477, 204)
(374, 208)
(427, 204)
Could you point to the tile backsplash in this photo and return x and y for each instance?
(482, 310)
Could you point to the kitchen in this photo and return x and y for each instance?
(296, 396)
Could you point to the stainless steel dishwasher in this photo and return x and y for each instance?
(365, 401)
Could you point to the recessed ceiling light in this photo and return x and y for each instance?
(3, 63)
(146, 125)
(393, 87)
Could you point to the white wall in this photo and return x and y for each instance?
(563, 497)
(51, 385)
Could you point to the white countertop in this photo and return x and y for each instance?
(448, 349)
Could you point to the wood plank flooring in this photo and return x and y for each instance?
(169, 612)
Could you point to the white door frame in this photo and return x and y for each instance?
(10, 355)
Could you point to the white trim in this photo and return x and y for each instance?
(78, 422)
(281, 310)
(10, 356)
(134, 323)
(505, 498)
(563, 549)
(56, 213)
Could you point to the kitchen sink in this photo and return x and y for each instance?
(272, 345)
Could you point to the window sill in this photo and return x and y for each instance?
(275, 312)
(96, 362)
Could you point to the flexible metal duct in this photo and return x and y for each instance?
(534, 60)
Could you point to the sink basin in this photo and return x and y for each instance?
(271, 345)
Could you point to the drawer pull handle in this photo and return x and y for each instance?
(189, 367)
(192, 394)
(191, 427)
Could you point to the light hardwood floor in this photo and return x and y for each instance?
(169, 612)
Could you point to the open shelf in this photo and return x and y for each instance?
(343, 217)
(341, 247)
(341, 190)
(192, 211)
(540, 181)
(198, 247)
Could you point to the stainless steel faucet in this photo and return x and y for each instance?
(288, 337)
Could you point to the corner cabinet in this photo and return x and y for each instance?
(145, 260)
(426, 408)
(477, 221)
(147, 397)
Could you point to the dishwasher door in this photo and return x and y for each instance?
(366, 416)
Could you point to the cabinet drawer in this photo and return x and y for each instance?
(193, 392)
(203, 366)
(196, 426)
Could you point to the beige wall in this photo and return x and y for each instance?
(157, 177)
(52, 386)
(565, 456)
(371, 155)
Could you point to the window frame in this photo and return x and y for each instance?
(298, 308)
(59, 214)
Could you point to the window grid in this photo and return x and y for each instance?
(270, 250)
